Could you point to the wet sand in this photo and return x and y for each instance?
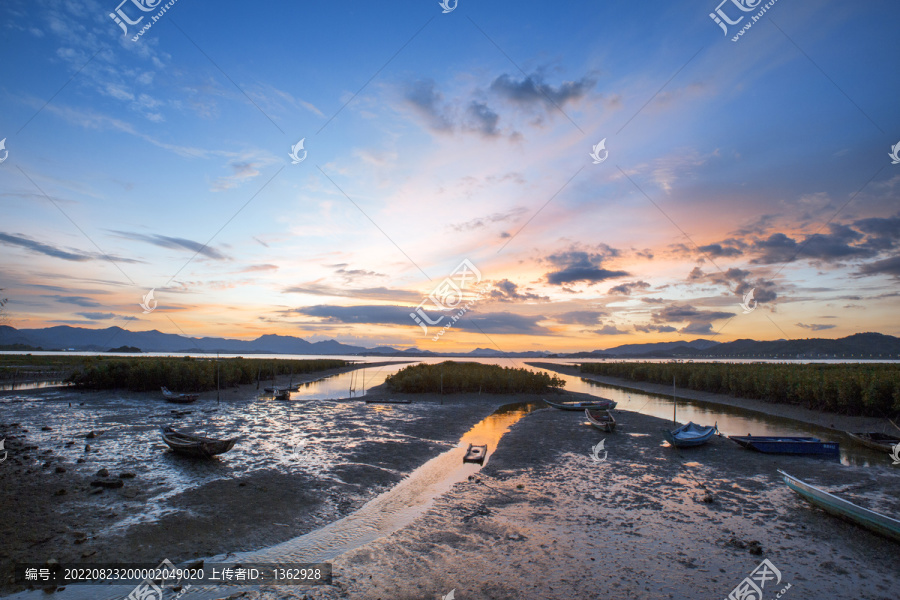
(51, 511)
(544, 520)
(541, 520)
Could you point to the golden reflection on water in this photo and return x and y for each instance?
(491, 428)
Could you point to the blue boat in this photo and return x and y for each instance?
(787, 444)
(690, 435)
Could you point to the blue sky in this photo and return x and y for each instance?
(432, 138)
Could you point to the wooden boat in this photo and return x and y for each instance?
(601, 419)
(195, 445)
(600, 404)
(690, 435)
(387, 401)
(475, 454)
(178, 398)
(877, 522)
(876, 441)
(283, 394)
(787, 444)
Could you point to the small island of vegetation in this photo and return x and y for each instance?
(125, 349)
(469, 377)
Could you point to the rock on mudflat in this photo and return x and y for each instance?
(108, 483)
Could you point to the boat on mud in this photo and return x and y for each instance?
(690, 435)
(195, 445)
(874, 521)
(601, 419)
(787, 444)
(178, 398)
(600, 404)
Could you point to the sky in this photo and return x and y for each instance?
(555, 176)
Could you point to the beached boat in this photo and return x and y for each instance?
(787, 444)
(195, 445)
(877, 522)
(690, 435)
(876, 441)
(599, 404)
(178, 398)
(283, 394)
(475, 454)
(387, 401)
(601, 419)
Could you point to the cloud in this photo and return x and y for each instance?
(422, 95)
(625, 289)
(482, 119)
(165, 241)
(699, 321)
(655, 328)
(507, 291)
(496, 322)
(371, 293)
(96, 316)
(56, 252)
(481, 222)
(833, 246)
(815, 326)
(718, 250)
(887, 266)
(576, 265)
(579, 317)
(258, 268)
(242, 171)
(609, 330)
(738, 279)
(532, 90)
(81, 301)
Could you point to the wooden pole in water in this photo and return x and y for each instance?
(674, 402)
(218, 379)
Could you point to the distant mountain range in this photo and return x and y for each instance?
(861, 345)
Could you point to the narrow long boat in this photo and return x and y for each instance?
(475, 454)
(787, 444)
(877, 522)
(178, 398)
(195, 445)
(388, 401)
(600, 404)
(875, 440)
(690, 435)
(601, 419)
